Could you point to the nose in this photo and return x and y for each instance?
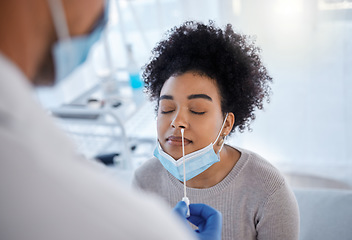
(179, 120)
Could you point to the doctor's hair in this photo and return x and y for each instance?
(230, 59)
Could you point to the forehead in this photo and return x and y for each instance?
(190, 83)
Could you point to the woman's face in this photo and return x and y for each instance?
(192, 102)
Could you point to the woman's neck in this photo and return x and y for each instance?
(218, 171)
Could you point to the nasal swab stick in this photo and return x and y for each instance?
(185, 198)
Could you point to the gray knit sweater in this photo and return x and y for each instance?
(254, 199)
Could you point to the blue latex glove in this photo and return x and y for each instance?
(207, 219)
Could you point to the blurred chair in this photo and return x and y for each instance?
(301, 180)
(325, 214)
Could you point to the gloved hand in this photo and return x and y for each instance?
(207, 219)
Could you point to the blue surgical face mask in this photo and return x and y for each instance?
(71, 52)
(195, 162)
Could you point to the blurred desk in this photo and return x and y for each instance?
(122, 122)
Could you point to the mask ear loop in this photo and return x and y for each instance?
(185, 198)
(61, 27)
(223, 124)
(59, 19)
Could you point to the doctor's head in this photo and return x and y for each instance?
(77, 26)
(200, 77)
(31, 30)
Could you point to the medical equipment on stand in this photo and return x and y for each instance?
(133, 69)
(185, 198)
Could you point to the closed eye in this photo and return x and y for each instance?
(198, 113)
(165, 112)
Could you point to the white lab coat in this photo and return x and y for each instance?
(48, 193)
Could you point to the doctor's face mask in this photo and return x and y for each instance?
(192, 102)
(70, 52)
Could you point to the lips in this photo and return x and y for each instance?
(177, 141)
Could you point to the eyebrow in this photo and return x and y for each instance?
(204, 96)
(192, 96)
(167, 97)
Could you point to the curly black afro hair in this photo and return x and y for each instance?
(231, 59)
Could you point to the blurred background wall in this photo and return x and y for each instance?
(307, 48)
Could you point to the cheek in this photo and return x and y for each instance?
(162, 125)
(207, 131)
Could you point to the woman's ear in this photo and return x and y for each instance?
(229, 122)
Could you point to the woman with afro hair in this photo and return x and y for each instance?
(207, 83)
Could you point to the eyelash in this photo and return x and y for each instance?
(197, 113)
(165, 112)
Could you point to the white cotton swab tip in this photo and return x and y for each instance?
(186, 200)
